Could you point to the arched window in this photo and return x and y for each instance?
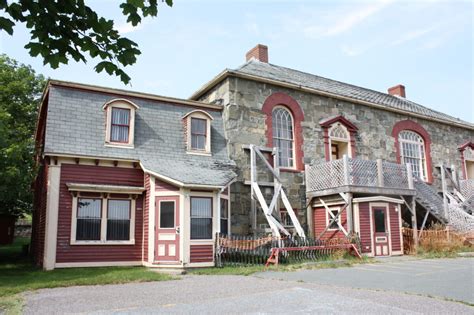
(120, 122)
(412, 150)
(339, 141)
(283, 138)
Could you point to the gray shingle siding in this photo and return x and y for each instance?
(76, 126)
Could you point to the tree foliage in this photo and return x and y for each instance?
(61, 30)
(20, 91)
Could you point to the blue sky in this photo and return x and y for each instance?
(425, 45)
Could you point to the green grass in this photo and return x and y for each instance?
(247, 270)
(18, 275)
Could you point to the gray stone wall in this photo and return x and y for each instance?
(245, 124)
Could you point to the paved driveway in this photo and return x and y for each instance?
(446, 278)
(240, 294)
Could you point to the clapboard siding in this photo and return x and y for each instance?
(395, 228)
(39, 215)
(201, 253)
(71, 173)
(162, 186)
(319, 223)
(365, 234)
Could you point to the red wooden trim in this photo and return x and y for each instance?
(341, 119)
(201, 253)
(282, 99)
(414, 126)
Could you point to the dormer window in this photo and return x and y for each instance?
(120, 123)
(198, 132)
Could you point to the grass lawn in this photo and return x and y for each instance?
(17, 275)
(246, 270)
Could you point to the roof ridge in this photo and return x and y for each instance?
(402, 101)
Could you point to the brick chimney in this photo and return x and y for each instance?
(397, 90)
(259, 52)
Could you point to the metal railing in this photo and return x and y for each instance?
(356, 172)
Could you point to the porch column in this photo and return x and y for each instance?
(52, 210)
(350, 214)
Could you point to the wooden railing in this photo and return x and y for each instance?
(356, 172)
(467, 187)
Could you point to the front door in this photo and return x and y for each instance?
(167, 229)
(381, 232)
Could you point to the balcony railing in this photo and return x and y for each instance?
(467, 187)
(356, 174)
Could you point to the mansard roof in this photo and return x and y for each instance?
(278, 75)
(76, 127)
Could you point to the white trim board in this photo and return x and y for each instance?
(377, 198)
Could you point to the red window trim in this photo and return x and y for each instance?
(416, 127)
(282, 99)
(351, 128)
(461, 149)
(120, 125)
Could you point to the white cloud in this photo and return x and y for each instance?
(411, 35)
(125, 28)
(346, 19)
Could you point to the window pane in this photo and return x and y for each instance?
(379, 217)
(120, 116)
(118, 220)
(201, 218)
(201, 228)
(224, 208)
(201, 207)
(88, 219)
(282, 127)
(334, 224)
(224, 227)
(167, 214)
(119, 133)
(198, 126)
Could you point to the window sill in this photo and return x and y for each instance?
(203, 153)
(118, 145)
(207, 241)
(131, 242)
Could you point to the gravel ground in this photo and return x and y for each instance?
(231, 294)
(445, 278)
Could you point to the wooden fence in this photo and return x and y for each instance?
(433, 239)
(250, 250)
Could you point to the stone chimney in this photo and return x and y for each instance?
(259, 52)
(397, 90)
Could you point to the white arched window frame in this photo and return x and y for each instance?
(412, 150)
(198, 132)
(283, 136)
(120, 123)
(339, 133)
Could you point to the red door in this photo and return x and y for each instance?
(381, 233)
(167, 229)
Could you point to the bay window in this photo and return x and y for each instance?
(102, 220)
(224, 216)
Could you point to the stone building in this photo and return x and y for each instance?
(327, 119)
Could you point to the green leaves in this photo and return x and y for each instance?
(20, 91)
(6, 25)
(61, 30)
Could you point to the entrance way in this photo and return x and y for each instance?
(167, 230)
(381, 237)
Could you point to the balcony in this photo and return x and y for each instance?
(358, 176)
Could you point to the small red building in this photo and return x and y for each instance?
(128, 179)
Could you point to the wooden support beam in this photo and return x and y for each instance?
(350, 214)
(423, 225)
(414, 223)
